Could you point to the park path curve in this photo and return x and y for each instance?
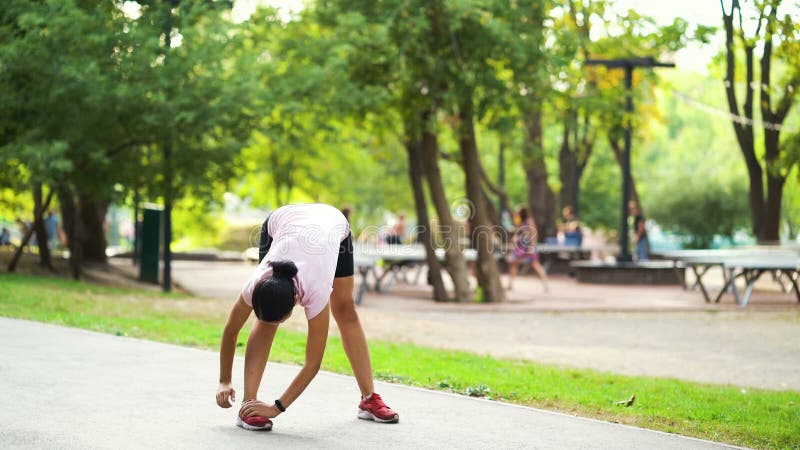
(69, 388)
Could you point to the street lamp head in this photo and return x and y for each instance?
(647, 61)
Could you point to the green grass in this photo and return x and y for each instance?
(748, 417)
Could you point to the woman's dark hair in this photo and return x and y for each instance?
(523, 214)
(273, 298)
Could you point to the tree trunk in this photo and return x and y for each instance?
(136, 237)
(69, 218)
(616, 147)
(772, 207)
(12, 265)
(91, 215)
(491, 211)
(483, 232)
(501, 194)
(415, 172)
(540, 196)
(568, 171)
(39, 209)
(772, 217)
(456, 266)
(771, 220)
(487, 187)
(577, 143)
(37, 217)
(744, 131)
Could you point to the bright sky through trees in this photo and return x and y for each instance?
(695, 57)
(697, 12)
(243, 8)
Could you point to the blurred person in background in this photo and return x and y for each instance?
(639, 232)
(524, 249)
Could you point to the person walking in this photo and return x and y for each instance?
(639, 232)
(524, 249)
(51, 228)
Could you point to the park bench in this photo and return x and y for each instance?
(746, 263)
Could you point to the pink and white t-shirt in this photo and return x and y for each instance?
(308, 235)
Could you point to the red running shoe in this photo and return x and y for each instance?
(254, 423)
(373, 408)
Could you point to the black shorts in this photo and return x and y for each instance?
(344, 264)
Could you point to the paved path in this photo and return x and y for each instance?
(651, 330)
(68, 388)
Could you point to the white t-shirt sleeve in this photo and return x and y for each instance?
(260, 273)
(247, 292)
(314, 302)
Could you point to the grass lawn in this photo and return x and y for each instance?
(747, 417)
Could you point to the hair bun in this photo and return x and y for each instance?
(283, 269)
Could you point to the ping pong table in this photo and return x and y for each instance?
(745, 263)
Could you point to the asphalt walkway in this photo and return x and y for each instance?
(69, 388)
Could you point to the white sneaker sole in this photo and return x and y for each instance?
(366, 415)
(242, 424)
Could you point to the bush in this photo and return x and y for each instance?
(699, 209)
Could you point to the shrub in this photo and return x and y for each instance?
(699, 208)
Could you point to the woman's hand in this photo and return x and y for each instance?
(226, 396)
(258, 408)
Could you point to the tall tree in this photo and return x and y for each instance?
(472, 84)
(416, 171)
(526, 58)
(576, 97)
(777, 33)
(448, 228)
(87, 87)
(399, 61)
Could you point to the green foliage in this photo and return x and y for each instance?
(53, 120)
(762, 43)
(600, 192)
(319, 108)
(693, 206)
(315, 139)
(480, 390)
(92, 98)
(791, 205)
(197, 224)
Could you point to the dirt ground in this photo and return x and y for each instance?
(639, 330)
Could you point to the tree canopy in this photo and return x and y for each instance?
(393, 106)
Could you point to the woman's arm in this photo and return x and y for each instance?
(315, 348)
(255, 357)
(236, 319)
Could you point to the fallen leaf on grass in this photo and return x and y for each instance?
(628, 402)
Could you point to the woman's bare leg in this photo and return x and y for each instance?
(512, 273)
(343, 308)
(537, 267)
